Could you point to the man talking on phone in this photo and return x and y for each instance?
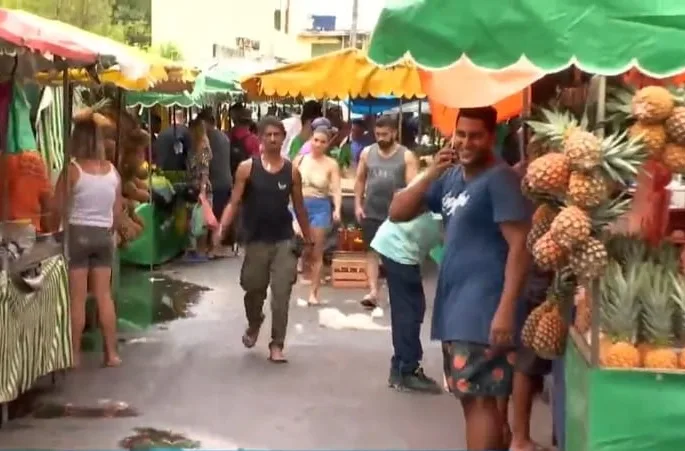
(264, 187)
(477, 313)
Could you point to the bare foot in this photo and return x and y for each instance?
(112, 361)
(276, 355)
(75, 361)
(525, 445)
(313, 301)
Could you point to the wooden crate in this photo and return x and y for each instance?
(348, 270)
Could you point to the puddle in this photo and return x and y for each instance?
(144, 299)
(150, 438)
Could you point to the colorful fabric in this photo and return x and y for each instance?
(35, 330)
(198, 167)
(20, 135)
(473, 369)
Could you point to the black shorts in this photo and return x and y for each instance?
(369, 228)
(528, 363)
(221, 197)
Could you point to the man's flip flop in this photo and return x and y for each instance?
(249, 340)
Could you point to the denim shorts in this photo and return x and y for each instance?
(318, 211)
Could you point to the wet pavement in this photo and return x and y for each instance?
(190, 383)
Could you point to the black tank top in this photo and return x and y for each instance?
(265, 213)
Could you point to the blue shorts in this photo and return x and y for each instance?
(319, 211)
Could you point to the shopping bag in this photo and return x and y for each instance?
(197, 221)
(208, 214)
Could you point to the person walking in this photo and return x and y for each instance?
(220, 177)
(477, 313)
(94, 206)
(403, 247)
(320, 180)
(199, 161)
(264, 187)
(384, 167)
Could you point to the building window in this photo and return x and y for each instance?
(277, 20)
(322, 49)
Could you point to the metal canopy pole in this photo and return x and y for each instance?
(66, 150)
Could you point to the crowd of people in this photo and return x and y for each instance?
(283, 190)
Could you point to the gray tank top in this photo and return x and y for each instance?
(385, 175)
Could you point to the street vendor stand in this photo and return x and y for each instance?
(166, 214)
(34, 298)
(597, 408)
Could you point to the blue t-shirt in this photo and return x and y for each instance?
(471, 274)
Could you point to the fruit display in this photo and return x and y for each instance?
(642, 306)
(132, 168)
(656, 116)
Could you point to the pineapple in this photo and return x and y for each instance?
(678, 296)
(571, 227)
(548, 174)
(658, 314)
(583, 149)
(551, 328)
(589, 259)
(619, 314)
(548, 255)
(542, 219)
(587, 190)
(674, 158)
(556, 127)
(652, 104)
(675, 126)
(653, 136)
(531, 323)
(622, 157)
(550, 334)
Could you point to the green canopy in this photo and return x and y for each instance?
(217, 80)
(604, 37)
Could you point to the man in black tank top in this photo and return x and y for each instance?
(264, 187)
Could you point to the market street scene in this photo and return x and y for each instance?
(368, 225)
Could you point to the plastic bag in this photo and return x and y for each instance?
(197, 221)
(208, 214)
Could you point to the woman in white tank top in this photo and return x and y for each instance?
(93, 207)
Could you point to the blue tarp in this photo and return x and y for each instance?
(373, 105)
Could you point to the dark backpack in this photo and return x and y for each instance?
(238, 154)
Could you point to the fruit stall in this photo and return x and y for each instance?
(166, 212)
(34, 300)
(602, 178)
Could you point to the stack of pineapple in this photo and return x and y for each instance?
(642, 307)
(656, 116)
(573, 177)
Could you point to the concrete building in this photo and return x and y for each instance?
(291, 30)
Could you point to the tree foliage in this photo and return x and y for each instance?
(123, 20)
(170, 51)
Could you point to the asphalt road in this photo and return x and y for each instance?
(194, 377)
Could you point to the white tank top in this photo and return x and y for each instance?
(93, 196)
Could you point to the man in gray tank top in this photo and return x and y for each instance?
(384, 167)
